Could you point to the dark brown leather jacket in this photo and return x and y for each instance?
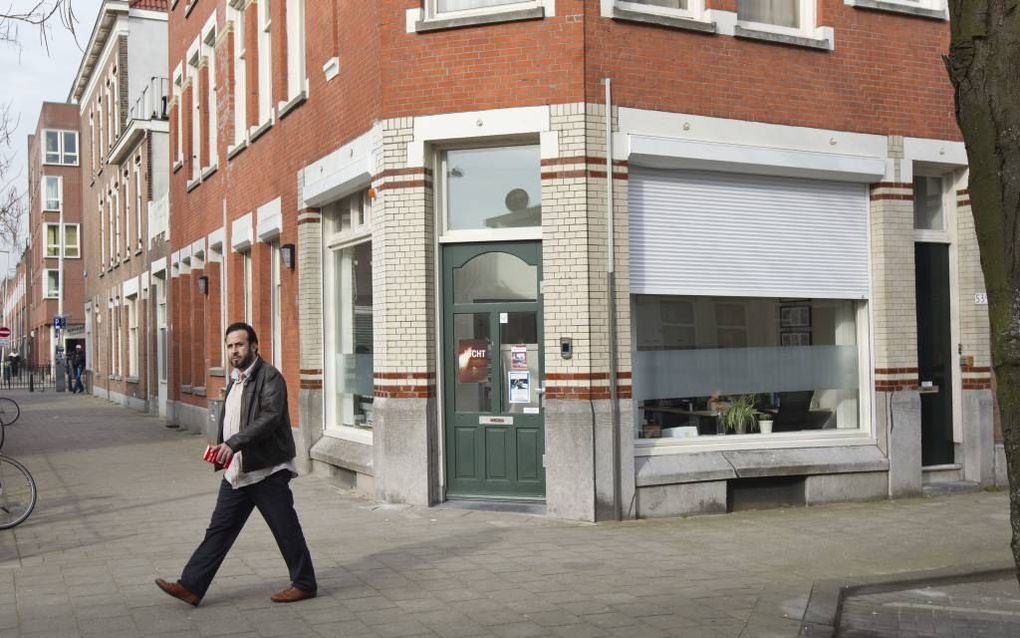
(265, 436)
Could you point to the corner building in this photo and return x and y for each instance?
(121, 90)
(716, 281)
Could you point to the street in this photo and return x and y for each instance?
(123, 500)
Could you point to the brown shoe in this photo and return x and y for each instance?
(177, 590)
(291, 595)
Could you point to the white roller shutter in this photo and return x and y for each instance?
(712, 233)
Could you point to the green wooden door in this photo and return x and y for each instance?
(492, 318)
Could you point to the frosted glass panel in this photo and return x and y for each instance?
(670, 373)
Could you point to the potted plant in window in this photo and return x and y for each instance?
(740, 417)
(765, 422)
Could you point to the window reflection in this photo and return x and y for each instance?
(495, 277)
(493, 188)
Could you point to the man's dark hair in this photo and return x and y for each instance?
(240, 325)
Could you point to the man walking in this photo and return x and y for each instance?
(256, 446)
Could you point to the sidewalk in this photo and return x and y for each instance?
(124, 500)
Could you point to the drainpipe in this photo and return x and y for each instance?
(614, 404)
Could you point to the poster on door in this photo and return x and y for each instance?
(520, 386)
(472, 361)
(519, 356)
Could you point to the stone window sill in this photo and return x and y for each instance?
(258, 131)
(193, 184)
(131, 380)
(185, 389)
(177, 165)
(626, 15)
(896, 7)
(233, 151)
(434, 24)
(283, 108)
(217, 372)
(209, 170)
(198, 391)
(821, 44)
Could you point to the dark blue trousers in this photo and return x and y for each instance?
(273, 498)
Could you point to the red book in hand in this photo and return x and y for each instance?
(210, 456)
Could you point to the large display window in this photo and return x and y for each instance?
(731, 366)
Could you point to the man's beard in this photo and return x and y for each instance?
(245, 363)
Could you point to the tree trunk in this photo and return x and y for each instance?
(983, 60)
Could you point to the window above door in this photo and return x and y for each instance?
(491, 192)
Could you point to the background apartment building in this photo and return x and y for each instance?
(53, 285)
(121, 90)
(488, 273)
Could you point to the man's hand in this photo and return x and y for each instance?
(223, 454)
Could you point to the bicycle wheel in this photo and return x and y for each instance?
(9, 411)
(17, 493)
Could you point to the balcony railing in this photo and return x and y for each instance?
(152, 103)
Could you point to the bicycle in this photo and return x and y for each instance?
(10, 411)
(18, 492)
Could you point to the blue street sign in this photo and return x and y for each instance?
(59, 322)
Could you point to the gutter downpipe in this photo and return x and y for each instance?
(614, 404)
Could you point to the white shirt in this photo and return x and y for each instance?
(232, 425)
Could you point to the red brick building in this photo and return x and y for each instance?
(409, 201)
(54, 286)
(122, 91)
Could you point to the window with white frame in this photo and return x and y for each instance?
(196, 116)
(492, 188)
(127, 212)
(295, 48)
(708, 366)
(100, 209)
(265, 41)
(795, 16)
(454, 8)
(132, 308)
(236, 13)
(246, 274)
(72, 248)
(161, 324)
(679, 8)
(209, 55)
(53, 192)
(52, 284)
(115, 211)
(179, 119)
(72, 241)
(101, 120)
(138, 203)
(116, 341)
(349, 312)
(60, 147)
(275, 320)
(92, 137)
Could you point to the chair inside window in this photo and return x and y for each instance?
(794, 411)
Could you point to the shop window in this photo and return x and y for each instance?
(713, 366)
(493, 188)
(350, 377)
(928, 204)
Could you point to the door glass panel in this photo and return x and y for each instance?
(473, 386)
(519, 362)
(495, 277)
